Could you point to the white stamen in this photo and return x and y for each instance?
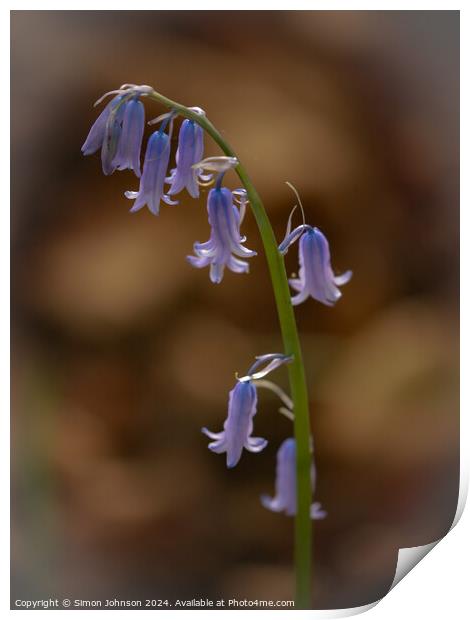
(111, 92)
(131, 195)
(217, 164)
(144, 89)
(126, 89)
(240, 195)
(197, 110)
(205, 183)
(289, 222)
(205, 177)
(260, 374)
(162, 117)
(298, 198)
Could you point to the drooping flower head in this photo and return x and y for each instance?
(118, 130)
(242, 402)
(130, 142)
(316, 278)
(94, 140)
(151, 190)
(106, 132)
(225, 243)
(285, 499)
(190, 152)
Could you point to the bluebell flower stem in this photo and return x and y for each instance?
(298, 387)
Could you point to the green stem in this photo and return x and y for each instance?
(303, 524)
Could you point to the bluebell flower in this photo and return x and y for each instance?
(189, 152)
(112, 136)
(218, 163)
(316, 278)
(94, 140)
(238, 426)
(242, 402)
(151, 190)
(130, 141)
(225, 242)
(117, 130)
(106, 133)
(285, 499)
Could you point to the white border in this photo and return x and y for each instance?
(438, 586)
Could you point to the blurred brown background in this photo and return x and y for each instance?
(122, 351)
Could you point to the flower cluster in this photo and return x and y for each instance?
(118, 132)
(238, 429)
(119, 129)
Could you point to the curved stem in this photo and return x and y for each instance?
(303, 524)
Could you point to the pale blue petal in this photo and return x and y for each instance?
(238, 425)
(95, 137)
(225, 242)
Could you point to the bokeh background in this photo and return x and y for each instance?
(122, 351)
